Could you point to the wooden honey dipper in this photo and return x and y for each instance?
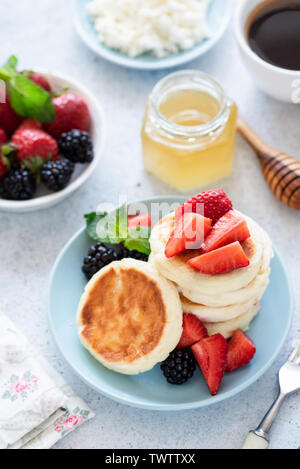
(281, 171)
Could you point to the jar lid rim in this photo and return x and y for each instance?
(193, 130)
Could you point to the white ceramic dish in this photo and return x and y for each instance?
(44, 198)
(277, 82)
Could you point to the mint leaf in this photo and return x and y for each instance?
(103, 227)
(9, 68)
(112, 229)
(138, 239)
(11, 63)
(92, 220)
(26, 98)
(29, 100)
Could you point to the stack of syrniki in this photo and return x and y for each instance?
(224, 302)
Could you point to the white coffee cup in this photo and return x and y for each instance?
(277, 82)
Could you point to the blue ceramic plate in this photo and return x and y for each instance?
(150, 390)
(218, 16)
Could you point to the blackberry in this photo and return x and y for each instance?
(179, 367)
(56, 175)
(76, 146)
(99, 256)
(18, 184)
(125, 253)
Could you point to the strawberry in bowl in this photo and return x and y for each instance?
(51, 138)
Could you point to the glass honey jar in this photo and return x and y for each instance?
(189, 131)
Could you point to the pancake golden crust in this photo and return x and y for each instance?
(129, 317)
(129, 325)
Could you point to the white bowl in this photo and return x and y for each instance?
(277, 82)
(44, 198)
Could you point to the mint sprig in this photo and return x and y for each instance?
(112, 228)
(26, 98)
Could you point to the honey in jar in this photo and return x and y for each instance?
(189, 131)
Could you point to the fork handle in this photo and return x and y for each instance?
(259, 438)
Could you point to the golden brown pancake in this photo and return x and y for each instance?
(129, 316)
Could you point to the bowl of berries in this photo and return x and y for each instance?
(52, 136)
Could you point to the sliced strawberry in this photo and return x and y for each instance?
(139, 220)
(193, 331)
(211, 204)
(241, 350)
(222, 260)
(211, 356)
(230, 228)
(189, 233)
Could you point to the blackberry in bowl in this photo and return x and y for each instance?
(76, 146)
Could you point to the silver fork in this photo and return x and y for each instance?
(289, 381)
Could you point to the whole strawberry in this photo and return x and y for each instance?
(34, 144)
(71, 112)
(39, 80)
(30, 124)
(9, 119)
(3, 136)
(214, 203)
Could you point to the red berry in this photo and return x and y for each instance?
(3, 136)
(241, 350)
(30, 124)
(189, 233)
(212, 204)
(40, 80)
(34, 143)
(211, 356)
(221, 261)
(9, 119)
(193, 331)
(139, 220)
(228, 229)
(71, 112)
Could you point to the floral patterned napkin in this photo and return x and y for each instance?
(37, 407)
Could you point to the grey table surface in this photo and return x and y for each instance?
(42, 34)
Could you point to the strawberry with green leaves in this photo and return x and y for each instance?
(39, 80)
(25, 99)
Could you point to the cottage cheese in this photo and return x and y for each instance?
(160, 27)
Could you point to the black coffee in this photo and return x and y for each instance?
(275, 36)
